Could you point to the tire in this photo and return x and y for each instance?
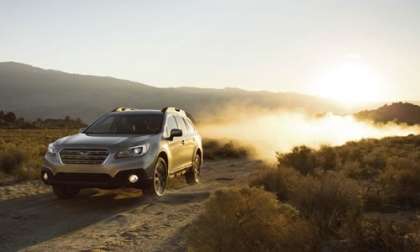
(157, 185)
(65, 192)
(192, 176)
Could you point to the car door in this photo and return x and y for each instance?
(190, 141)
(175, 146)
(187, 142)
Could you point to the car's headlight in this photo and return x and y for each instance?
(52, 149)
(135, 151)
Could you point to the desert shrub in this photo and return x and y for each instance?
(22, 151)
(389, 166)
(326, 158)
(11, 160)
(301, 158)
(401, 180)
(352, 169)
(369, 166)
(279, 180)
(374, 234)
(374, 197)
(249, 219)
(221, 149)
(330, 202)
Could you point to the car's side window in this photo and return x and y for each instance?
(182, 125)
(170, 125)
(189, 125)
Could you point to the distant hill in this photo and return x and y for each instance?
(401, 112)
(8, 120)
(34, 92)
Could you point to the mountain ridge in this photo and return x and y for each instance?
(54, 94)
(399, 112)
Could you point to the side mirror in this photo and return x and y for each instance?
(175, 133)
(82, 130)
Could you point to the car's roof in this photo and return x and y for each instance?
(138, 111)
(123, 110)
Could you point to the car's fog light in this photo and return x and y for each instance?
(133, 178)
(45, 176)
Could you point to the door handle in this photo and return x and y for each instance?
(183, 141)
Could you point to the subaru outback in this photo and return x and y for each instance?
(126, 148)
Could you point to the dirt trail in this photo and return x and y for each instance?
(32, 219)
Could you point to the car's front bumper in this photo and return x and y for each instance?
(95, 180)
(112, 173)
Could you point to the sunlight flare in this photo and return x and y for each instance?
(350, 83)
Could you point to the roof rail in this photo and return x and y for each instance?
(122, 109)
(178, 110)
(172, 109)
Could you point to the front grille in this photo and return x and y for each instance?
(83, 156)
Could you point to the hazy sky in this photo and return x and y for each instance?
(271, 45)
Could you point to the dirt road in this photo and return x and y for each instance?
(32, 219)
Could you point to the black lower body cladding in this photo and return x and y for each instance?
(95, 180)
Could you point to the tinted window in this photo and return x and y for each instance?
(136, 124)
(170, 124)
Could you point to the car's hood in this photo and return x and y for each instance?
(82, 140)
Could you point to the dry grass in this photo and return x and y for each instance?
(22, 150)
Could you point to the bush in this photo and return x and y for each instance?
(249, 219)
(330, 202)
(301, 158)
(401, 180)
(217, 149)
(372, 234)
(374, 198)
(388, 169)
(279, 180)
(326, 158)
(22, 151)
(11, 160)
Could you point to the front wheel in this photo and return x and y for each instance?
(192, 176)
(65, 192)
(156, 187)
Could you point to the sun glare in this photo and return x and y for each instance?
(350, 83)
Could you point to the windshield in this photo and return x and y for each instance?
(135, 124)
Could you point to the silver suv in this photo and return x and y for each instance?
(126, 148)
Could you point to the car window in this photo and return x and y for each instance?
(182, 125)
(190, 125)
(136, 124)
(104, 125)
(170, 125)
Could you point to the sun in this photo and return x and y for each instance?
(350, 83)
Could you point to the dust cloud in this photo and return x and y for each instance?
(275, 132)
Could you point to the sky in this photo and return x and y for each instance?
(336, 49)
